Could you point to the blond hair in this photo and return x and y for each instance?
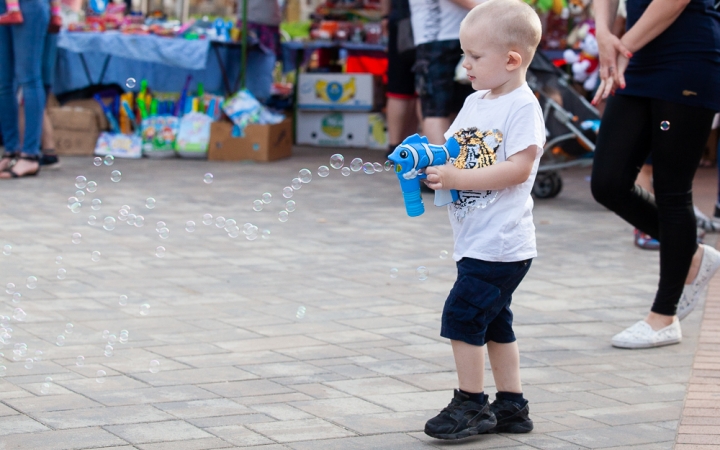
(513, 24)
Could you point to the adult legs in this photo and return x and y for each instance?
(9, 109)
(631, 129)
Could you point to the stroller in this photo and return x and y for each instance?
(571, 124)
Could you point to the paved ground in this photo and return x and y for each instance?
(303, 340)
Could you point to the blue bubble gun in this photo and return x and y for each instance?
(411, 158)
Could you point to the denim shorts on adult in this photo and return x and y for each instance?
(478, 307)
(440, 95)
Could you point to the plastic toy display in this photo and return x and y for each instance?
(411, 157)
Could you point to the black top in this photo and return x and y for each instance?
(682, 64)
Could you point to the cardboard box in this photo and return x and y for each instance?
(341, 129)
(260, 143)
(76, 130)
(75, 143)
(92, 105)
(340, 92)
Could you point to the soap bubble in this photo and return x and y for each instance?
(72, 201)
(664, 125)
(19, 314)
(100, 376)
(69, 328)
(38, 355)
(267, 198)
(10, 288)
(208, 178)
(31, 282)
(164, 233)
(422, 273)
(190, 226)
(109, 350)
(159, 226)
(29, 363)
(115, 176)
(60, 340)
(220, 222)
(139, 221)
(389, 165)
(109, 223)
(109, 160)
(91, 186)
(356, 164)
(337, 161)
(61, 273)
(305, 175)
(258, 205)
(154, 366)
(150, 203)
(123, 300)
(345, 171)
(368, 168)
(266, 234)
(76, 238)
(160, 252)
(3, 370)
(80, 361)
(323, 171)
(230, 225)
(144, 309)
(130, 83)
(58, 260)
(300, 312)
(290, 206)
(95, 256)
(443, 254)
(378, 167)
(97, 161)
(283, 216)
(80, 182)
(394, 272)
(105, 334)
(45, 388)
(17, 297)
(288, 192)
(92, 220)
(95, 204)
(207, 219)
(296, 183)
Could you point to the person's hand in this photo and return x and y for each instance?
(441, 177)
(614, 58)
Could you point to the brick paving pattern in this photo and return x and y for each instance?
(362, 366)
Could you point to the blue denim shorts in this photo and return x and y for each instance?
(478, 307)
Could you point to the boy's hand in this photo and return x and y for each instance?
(441, 177)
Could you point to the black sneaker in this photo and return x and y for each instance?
(462, 418)
(50, 162)
(511, 417)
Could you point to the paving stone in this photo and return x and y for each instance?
(151, 395)
(338, 407)
(62, 440)
(195, 376)
(299, 430)
(615, 436)
(245, 388)
(19, 424)
(239, 435)
(195, 444)
(176, 430)
(92, 417)
(203, 408)
(221, 421)
(644, 412)
(385, 441)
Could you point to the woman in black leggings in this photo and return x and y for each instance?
(662, 84)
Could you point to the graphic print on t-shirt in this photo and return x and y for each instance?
(477, 149)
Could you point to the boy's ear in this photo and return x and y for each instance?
(514, 60)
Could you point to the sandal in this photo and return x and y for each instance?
(10, 159)
(14, 174)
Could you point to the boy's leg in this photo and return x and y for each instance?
(470, 364)
(505, 364)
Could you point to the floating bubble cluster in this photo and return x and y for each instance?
(422, 273)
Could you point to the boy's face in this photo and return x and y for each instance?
(488, 66)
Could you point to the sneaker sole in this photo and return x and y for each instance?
(634, 345)
(515, 428)
(464, 434)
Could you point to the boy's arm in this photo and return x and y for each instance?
(515, 170)
(468, 4)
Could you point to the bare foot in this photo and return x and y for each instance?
(695, 265)
(21, 168)
(658, 321)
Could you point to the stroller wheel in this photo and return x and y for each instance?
(547, 185)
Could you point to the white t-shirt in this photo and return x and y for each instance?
(435, 20)
(498, 225)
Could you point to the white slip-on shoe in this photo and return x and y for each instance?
(641, 335)
(693, 291)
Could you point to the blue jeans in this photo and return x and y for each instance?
(21, 47)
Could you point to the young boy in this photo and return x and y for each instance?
(502, 133)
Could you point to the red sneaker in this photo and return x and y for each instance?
(11, 18)
(55, 24)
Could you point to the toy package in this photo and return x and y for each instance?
(158, 136)
(243, 109)
(119, 145)
(194, 135)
